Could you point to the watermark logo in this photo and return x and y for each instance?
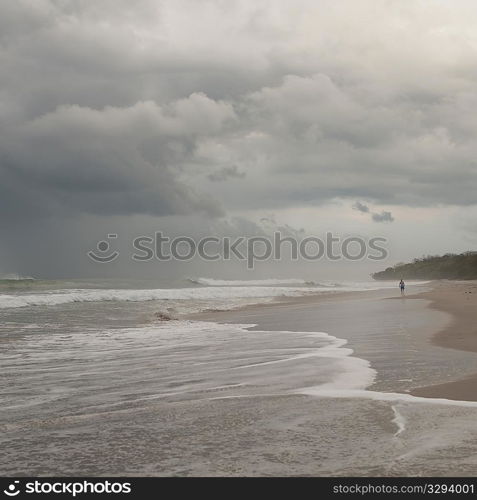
(67, 488)
(248, 249)
(13, 489)
(102, 253)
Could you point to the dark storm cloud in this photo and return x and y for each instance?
(113, 160)
(126, 108)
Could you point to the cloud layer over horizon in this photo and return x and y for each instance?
(160, 108)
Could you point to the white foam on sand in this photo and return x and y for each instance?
(357, 376)
(193, 357)
(399, 420)
(384, 396)
(350, 377)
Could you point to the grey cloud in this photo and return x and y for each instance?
(313, 124)
(113, 160)
(383, 217)
(325, 142)
(270, 226)
(361, 207)
(121, 108)
(237, 226)
(226, 173)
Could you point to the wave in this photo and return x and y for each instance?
(324, 391)
(264, 282)
(60, 297)
(15, 277)
(230, 296)
(344, 285)
(240, 357)
(229, 360)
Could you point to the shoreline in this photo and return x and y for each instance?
(459, 299)
(279, 303)
(456, 299)
(221, 400)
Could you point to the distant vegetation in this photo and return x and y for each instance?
(434, 267)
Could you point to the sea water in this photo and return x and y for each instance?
(94, 381)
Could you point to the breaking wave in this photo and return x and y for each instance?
(265, 282)
(59, 297)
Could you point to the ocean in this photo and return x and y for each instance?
(114, 378)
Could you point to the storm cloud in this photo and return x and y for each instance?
(116, 160)
(120, 108)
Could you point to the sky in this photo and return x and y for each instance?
(234, 117)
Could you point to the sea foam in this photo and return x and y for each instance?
(66, 296)
(264, 282)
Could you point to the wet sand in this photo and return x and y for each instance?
(459, 299)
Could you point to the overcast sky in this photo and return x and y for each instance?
(356, 116)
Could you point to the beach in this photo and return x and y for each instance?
(459, 299)
(208, 211)
(332, 380)
(456, 301)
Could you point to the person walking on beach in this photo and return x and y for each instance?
(402, 285)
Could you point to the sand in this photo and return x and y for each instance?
(458, 298)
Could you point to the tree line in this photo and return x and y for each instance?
(449, 266)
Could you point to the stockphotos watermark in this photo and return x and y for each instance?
(67, 487)
(248, 249)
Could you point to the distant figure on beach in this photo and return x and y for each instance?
(402, 285)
